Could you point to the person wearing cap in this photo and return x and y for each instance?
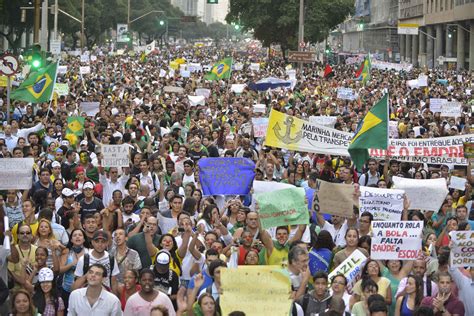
(56, 171)
(94, 300)
(68, 204)
(98, 254)
(46, 297)
(166, 280)
(90, 204)
(142, 302)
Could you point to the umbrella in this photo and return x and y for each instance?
(269, 83)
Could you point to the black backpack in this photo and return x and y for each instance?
(87, 259)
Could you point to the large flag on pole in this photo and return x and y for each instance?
(38, 86)
(221, 70)
(372, 132)
(363, 73)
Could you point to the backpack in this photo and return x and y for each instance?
(305, 303)
(85, 266)
(366, 174)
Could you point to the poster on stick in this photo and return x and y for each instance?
(396, 240)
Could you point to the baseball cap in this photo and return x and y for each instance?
(56, 164)
(88, 185)
(67, 192)
(100, 234)
(163, 257)
(83, 142)
(45, 275)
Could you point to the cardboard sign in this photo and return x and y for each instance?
(423, 194)
(115, 155)
(16, 173)
(383, 204)
(462, 252)
(334, 198)
(351, 268)
(396, 240)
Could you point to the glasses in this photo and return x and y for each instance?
(25, 233)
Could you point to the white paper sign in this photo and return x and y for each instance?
(84, 70)
(203, 92)
(393, 129)
(91, 108)
(351, 268)
(328, 121)
(93, 57)
(195, 100)
(457, 183)
(345, 94)
(62, 70)
(423, 194)
(396, 240)
(16, 173)
(84, 58)
(61, 89)
(237, 88)
(255, 67)
(462, 249)
(436, 104)
(115, 155)
(422, 81)
(185, 73)
(194, 67)
(383, 204)
(260, 126)
(451, 109)
(238, 66)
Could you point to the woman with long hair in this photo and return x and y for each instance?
(46, 298)
(46, 238)
(407, 304)
(352, 241)
(320, 255)
(22, 304)
(395, 270)
(168, 242)
(233, 207)
(58, 186)
(209, 217)
(41, 255)
(74, 250)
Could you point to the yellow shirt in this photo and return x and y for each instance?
(34, 229)
(383, 285)
(173, 266)
(277, 257)
(26, 257)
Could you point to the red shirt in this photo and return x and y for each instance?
(452, 305)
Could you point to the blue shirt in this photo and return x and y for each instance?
(207, 281)
(319, 260)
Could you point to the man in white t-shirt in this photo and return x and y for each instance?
(338, 227)
(98, 255)
(188, 176)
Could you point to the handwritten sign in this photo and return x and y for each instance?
(463, 248)
(328, 121)
(351, 268)
(383, 204)
(226, 176)
(84, 70)
(90, 108)
(282, 207)
(239, 292)
(396, 240)
(346, 94)
(260, 126)
(115, 155)
(16, 173)
(451, 109)
(423, 194)
(61, 88)
(334, 198)
(436, 104)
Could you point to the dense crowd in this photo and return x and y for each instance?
(144, 240)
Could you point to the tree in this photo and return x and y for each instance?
(10, 15)
(276, 21)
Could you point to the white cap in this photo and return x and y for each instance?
(88, 185)
(67, 192)
(45, 275)
(163, 258)
(83, 142)
(115, 111)
(56, 164)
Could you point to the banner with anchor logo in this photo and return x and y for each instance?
(289, 132)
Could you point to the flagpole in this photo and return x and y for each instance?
(52, 90)
(8, 99)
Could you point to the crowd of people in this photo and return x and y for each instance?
(144, 240)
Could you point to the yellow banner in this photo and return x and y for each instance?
(255, 290)
(3, 81)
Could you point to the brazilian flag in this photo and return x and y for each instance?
(372, 132)
(38, 86)
(75, 125)
(221, 70)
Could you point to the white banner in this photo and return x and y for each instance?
(84, 70)
(237, 88)
(62, 70)
(351, 268)
(328, 121)
(204, 92)
(115, 155)
(91, 108)
(383, 204)
(194, 67)
(457, 183)
(255, 67)
(378, 64)
(16, 173)
(462, 251)
(423, 194)
(451, 109)
(396, 240)
(346, 94)
(260, 126)
(84, 58)
(436, 104)
(195, 100)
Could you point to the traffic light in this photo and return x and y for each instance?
(328, 50)
(361, 26)
(162, 22)
(236, 26)
(36, 57)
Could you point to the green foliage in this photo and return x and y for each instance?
(10, 15)
(276, 21)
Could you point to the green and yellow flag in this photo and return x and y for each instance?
(372, 132)
(38, 86)
(75, 125)
(221, 70)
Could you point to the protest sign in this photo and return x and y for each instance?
(383, 204)
(237, 88)
(240, 293)
(436, 104)
(194, 67)
(185, 73)
(226, 176)
(462, 251)
(91, 108)
(328, 121)
(282, 207)
(292, 133)
(195, 100)
(334, 198)
(203, 92)
(61, 88)
(93, 58)
(267, 186)
(16, 173)
(62, 70)
(378, 64)
(115, 155)
(422, 81)
(84, 58)
(346, 94)
(260, 126)
(255, 67)
(171, 89)
(238, 66)
(457, 183)
(396, 240)
(451, 109)
(84, 70)
(351, 268)
(440, 150)
(468, 150)
(393, 129)
(423, 194)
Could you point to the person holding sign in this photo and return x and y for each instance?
(372, 271)
(352, 241)
(276, 251)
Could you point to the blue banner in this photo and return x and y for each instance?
(226, 176)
